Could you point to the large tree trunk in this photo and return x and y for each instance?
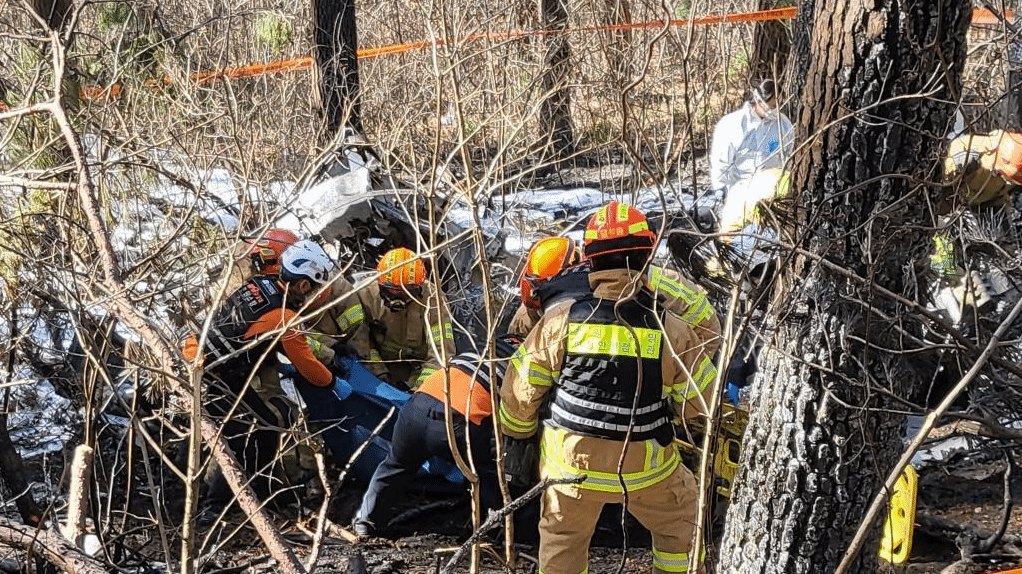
(336, 37)
(771, 44)
(798, 65)
(555, 111)
(822, 436)
(1013, 101)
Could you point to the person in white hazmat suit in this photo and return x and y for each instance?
(755, 137)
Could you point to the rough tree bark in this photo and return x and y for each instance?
(1013, 101)
(821, 437)
(771, 44)
(555, 111)
(798, 61)
(336, 38)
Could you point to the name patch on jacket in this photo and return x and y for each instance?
(614, 340)
(256, 295)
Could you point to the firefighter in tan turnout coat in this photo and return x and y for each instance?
(619, 368)
(402, 331)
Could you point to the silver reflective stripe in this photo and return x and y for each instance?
(560, 412)
(470, 363)
(594, 406)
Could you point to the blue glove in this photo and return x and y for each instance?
(341, 388)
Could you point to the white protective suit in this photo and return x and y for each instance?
(743, 144)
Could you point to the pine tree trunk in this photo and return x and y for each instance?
(822, 435)
(798, 64)
(336, 38)
(1013, 101)
(555, 110)
(771, 45)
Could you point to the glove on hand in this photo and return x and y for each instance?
(521, 461)
(341, 388)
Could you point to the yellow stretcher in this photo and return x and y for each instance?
(897, 534)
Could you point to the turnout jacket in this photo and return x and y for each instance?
(589, 363)
(675, 293)
(259, 310)
(970, 169)
(337, 323)
(398, 346)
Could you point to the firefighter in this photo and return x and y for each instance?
(553, 271)
(757, 136)
(403, 332)
(983, 170)
(255, 320)
(982, 173)
(619, 368)
(421, 433)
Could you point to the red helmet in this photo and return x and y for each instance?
(616, 228)
(266, 250)
(548, 257)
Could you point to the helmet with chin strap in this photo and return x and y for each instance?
(402, 275)
(266, 249)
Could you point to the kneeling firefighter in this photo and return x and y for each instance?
(619, 367)
(421, 433)
(255, 320)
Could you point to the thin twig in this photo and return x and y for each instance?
(495, 517)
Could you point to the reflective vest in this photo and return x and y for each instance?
(595, 393)
(248, 303)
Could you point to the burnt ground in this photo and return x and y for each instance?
(428, 528)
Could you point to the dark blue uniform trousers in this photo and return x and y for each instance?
(419, 434)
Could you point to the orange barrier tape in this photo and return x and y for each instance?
(979, 17)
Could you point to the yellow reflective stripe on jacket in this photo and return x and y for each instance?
(315, 345)
(374, 356)
(516, 424)
(351, 318)
(943, 259)
(426, 372)
(438, 337)
(699, 308)
(704, 374)
(553, 457)
(670, 561)
(615, 340)
(528, 370)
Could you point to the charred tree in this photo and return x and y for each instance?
(824, 428)
(335, 34)
(555, 111)
(798, 64)
(1013, 85)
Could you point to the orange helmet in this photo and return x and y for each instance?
(1008, 162)
(548, 257)
(266, 250)
(616, 228)
(402, 274)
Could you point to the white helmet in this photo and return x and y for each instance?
(305, 260)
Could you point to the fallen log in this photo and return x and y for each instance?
(51, 545)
